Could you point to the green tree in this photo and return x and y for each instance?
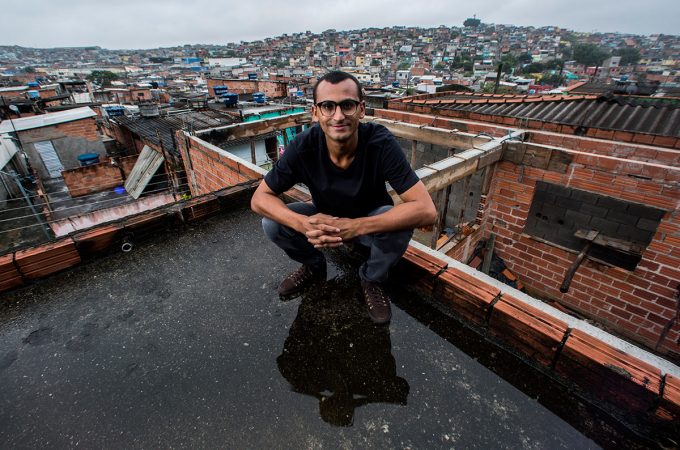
(509, 61)
(472, 22)
(29, 69)
(533, 68)
(404, 66)
(590, 54)
(629, 55)
(102, 77)
(553, 64)
(525, 58)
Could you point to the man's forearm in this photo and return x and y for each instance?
(404, 216)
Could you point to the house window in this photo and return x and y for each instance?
(625, 229)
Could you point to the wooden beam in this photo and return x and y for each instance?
(431, 135)
(252, 151)
(414, 153)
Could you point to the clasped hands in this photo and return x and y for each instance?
(324, 231)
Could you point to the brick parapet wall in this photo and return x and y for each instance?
(21, 266)
(210, 168)
(638, 303)
(85, 128)
(562, 347)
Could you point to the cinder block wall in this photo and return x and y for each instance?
(210, 168)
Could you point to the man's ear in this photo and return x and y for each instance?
(362, 108)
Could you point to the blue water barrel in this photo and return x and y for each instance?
(32, 84)
(252, 76)
(87, 159)
(230, 99)
(259, 97)
(395, 84)
(33, 94)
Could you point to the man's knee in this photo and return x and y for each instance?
(271, 228)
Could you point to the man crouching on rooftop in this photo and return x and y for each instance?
(345, 164)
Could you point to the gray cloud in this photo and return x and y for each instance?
(148, 24)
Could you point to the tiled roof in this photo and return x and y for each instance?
(147, 127)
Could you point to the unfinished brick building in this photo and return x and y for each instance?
(583, 163)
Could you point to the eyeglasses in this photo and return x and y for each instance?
(348, 107)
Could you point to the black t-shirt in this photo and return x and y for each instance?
(354, 191)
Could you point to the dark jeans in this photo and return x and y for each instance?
(386, 248)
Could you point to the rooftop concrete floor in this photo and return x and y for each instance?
(183, 342)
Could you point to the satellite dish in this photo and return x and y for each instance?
(14, 108)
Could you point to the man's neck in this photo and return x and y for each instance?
(342, 153)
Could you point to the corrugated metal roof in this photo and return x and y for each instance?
(149, 127)
(638, 115)
(46, 120)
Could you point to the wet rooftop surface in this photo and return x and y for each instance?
(183, 342)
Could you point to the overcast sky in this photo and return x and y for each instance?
(122, 24)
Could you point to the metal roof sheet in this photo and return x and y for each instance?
(46, 120)
(150, 127)
(651, 116)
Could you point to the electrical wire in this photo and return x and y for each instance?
(48, 193)
(54, 202)
(65, 218)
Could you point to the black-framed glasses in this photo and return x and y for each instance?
(348, 107)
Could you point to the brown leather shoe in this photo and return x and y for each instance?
(377, 301)
(295, 283)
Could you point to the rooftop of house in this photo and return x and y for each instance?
(149, 127)
(45, 120)
(184, 342)
(650, 115)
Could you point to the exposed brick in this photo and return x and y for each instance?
(528, 329)
(612, 375)
(469, 296)
(669, 406)
(46, 259)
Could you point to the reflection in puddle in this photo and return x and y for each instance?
(335, 353)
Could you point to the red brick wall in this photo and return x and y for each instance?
(635, 303)
(209, 168)
(270, 88)
(85, 128)
(97, 177)
(94, 178)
